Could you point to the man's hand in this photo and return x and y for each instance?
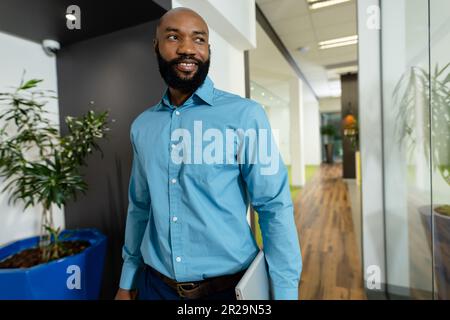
(123, 294)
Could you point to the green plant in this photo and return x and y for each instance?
(39, 165)
(55, 248)
(329, 133)
(328, 130)
(420, 92)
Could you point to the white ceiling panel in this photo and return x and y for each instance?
(269, 70)
(298, 26)
(293, 26)
(336, 31)
(277, 10)
(333, 15)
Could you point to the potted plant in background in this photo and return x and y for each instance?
(351, 132)
(328, 132)
(413, 91)
(42, 168)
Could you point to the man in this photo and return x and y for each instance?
(187, 234)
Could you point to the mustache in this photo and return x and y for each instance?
(185, 59)
(172, 78)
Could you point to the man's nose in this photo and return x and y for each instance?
(186, 48)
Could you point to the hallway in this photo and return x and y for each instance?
(331, 265)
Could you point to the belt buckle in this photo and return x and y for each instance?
(182, 290)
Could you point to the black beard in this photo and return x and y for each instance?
(173, 80)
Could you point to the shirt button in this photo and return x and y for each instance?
(178, 259)
(177, 113)
(174, 180)
(174, 219)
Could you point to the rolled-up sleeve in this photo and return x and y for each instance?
(268, 187)
(137, 219)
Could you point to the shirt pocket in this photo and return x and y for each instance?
(210, 173)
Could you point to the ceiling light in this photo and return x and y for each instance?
(338, 42)
(317, 4)
(71, 17)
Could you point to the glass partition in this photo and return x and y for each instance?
(407, 168)
(416, 134)
(440, 143)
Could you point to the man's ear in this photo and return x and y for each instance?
(155, 43)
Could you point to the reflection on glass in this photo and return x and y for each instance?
(416, 107)
(406, 130)
(440, 143)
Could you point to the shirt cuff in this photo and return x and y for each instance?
(130, 275)
(285, 293)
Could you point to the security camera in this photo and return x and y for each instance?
(51, 47)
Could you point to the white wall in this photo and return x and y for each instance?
(235, 20)
(17, 55)
(311, 131)
(279, 120)
(227, 69)
(330, 105)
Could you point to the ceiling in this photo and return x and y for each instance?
(46, 18)
(298, 26)
(269, 72)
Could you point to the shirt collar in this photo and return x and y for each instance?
(204, 92)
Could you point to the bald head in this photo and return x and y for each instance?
(182, 49)
(184, 16)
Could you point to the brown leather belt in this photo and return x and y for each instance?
(203, 288)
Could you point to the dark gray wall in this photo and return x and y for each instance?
(165, 4)
(349, 100)
(41, 19)
(117, 72)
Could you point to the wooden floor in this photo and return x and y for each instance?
(331, 264)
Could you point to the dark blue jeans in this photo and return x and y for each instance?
(151, 287)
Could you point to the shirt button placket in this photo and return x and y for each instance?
(174, 195)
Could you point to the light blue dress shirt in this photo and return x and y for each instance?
(188, 219)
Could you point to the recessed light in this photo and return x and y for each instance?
(343, 39)
(317, 4)
(338, 42)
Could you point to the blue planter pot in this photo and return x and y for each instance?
(76, 277)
